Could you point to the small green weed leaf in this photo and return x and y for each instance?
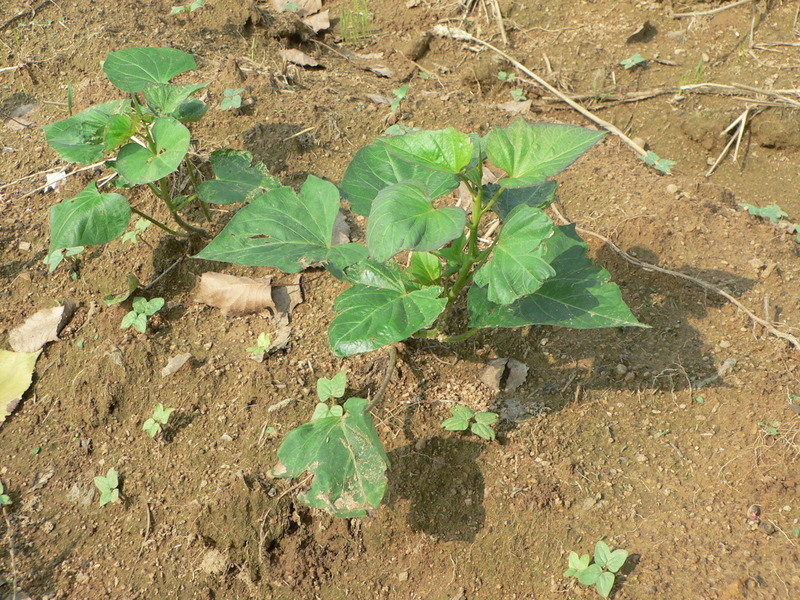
(455, 424)
(118, 131)
(190, 111)
(232, 99)
(236, 180)
(425, 269)
(87, 219)
(605, 581)
(601, 553)
(323, 411)
(632, 61)
(578, 563)
(165, 99)
(151, 427)
(376, 274)
(54, 258)
(161, 414)
(262, 344)
(138, 164)
(589, 575)
(374, 167)
(663, 165)
(483, 431)
(399, 95)
(5, 500)
(773, 212)
(134, 69)
(518, 264)
(346, 458)
(445, 150)
(147, 307)
(331, 388)
(372, 317)
(538, 196)
(530, 153)
(579, 295)
(487, 418)
(108, 487)
(138, 227)
(133, 283)
(280, 229)
(135, 320)
(616, 559)
(79, 139)
(403, 218)
(462, 412)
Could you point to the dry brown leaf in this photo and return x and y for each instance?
(175, 363)
(286, 297)
(517, 373)
(235, 296)
(382, 71)
(341, 230)
(42, 327)
(516, 108)
(299, 58)
(319, 22)
(492, 375)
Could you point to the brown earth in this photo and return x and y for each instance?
(616, 434)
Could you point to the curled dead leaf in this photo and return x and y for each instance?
(235, 296)
(40, 328)
(299, 58)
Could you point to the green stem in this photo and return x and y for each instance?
(163, 192)
(193, 176)
(158, 223)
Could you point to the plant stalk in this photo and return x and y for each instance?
(158, 223)
(385, 383)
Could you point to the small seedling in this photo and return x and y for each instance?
(4, 498)
(331, 388)
(769, 428)
(355, 24)
(262, 345)
(663, 165)
(55, 257)
(108, 487)
(508, 77)
(159, 419)
(633, 61)
(462, 416)
(132, 236)
(773, 212)
(602, 572)
(518, 95)
(399, 95)
(188, 8)
(142, 308)
(232, 99)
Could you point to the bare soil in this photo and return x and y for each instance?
(639, 437)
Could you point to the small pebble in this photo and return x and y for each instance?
(724, 344)
(24, 246)
(768, 528)
(672, 189)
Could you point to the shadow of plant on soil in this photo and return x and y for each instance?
(443, 484)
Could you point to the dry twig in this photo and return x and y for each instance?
(713, 11)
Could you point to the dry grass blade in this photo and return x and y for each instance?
(713, 11)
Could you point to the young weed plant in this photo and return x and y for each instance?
(159, 419)
(478, 423)
(532, 272)
(145, 140)
(232, 99)
(5, 500)
(602, 573)
(108, 486)
(142, 309)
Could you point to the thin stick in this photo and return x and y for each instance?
(25, 13)
(740, 121)
(712, 288)
(498, 16)
(460, 34)
(710, 12)
(164, 273)
(262, 534)
(739, 136)
(385, 383)
(737, 86)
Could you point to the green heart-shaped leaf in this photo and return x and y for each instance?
(537, 196)
(403, 218)
(164, 99)
(118, 130)
(518, 264)
(530, 153)
(87, 219)
(374, 168)
(79, 139)
(139, 164)
(578, 296)
(133, 69)
(372, 317)
(331, 388)
(601, 553)
(235, 180)
(616, 559)
(605, 581)
(445, 150)
(589, 575)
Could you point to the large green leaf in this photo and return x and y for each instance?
(236, 180)
(530, 153)
(538, 196)
(165, 100)
(346, 458)
(445, 150)
(139, 164)
(118, 130)
(403, 218)
(579, 295)
(518, 264)
(88, 218)
(79, 139)
(373, 317)
(374, 168)
(280, 229)
(133, 69)
(375, 274)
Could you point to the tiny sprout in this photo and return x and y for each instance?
(232, 99)
(142, 308)
(462, 416)
(633, 61)
(108, 487)
(160, 417)
(4, 499)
